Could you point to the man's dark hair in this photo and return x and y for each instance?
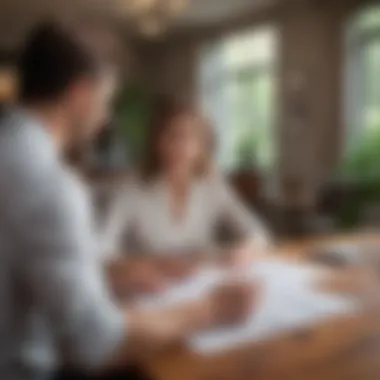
(54, 56)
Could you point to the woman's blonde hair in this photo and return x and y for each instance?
(164, 112)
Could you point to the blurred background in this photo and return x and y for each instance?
(291, 87)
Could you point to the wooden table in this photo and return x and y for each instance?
(300, 248)
(343, 348)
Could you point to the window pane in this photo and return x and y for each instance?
(242, 148)
(264, 105)
(237, 82)
(371, 111)
(250, 48)
(363, 97)
(368, 19)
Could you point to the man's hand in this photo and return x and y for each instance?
(135, 277)
(146, 279)
(232, 303)
(150, 330)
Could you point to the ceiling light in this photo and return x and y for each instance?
(152, 17)
(177, 6)
(139, 7)
(151, 26)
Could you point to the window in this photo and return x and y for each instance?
(362, 156)
(238, 94)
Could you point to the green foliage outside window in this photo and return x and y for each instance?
(362, 164)
(360, 167)
(133, 108)
(362, 160)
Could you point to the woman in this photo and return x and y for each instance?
(179, 202)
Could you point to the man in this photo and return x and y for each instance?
(55, 306)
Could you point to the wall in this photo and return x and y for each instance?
(169, 68)
(310, 82)
(310, 126)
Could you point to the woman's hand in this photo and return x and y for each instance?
(176, 267)
(243, 254)
(239, 256)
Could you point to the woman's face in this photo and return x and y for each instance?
(181, 144)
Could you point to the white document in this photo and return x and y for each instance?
(287, 300)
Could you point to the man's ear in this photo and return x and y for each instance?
(79, 90)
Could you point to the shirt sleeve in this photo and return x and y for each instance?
(237, 218)
(118, 222)
(50, 227)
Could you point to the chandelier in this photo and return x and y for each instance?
(152, 17)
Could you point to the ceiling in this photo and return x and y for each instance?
(203, 12)
(17, 16)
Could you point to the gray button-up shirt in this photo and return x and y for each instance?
(54, 301)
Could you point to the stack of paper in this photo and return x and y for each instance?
(287, 300)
